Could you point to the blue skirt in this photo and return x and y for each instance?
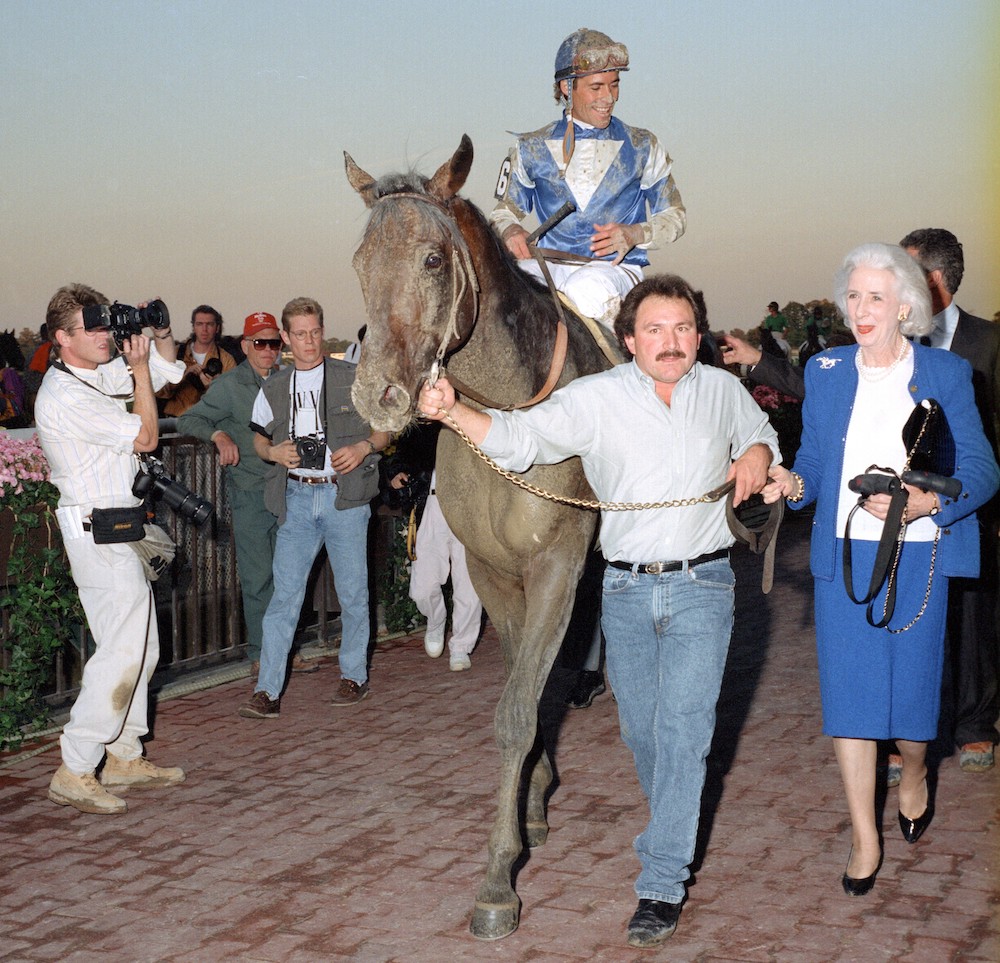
(875, 684)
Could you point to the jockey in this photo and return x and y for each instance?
(617, 176)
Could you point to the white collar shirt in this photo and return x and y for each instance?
(635, 448)
(88, 437)
(945, 323)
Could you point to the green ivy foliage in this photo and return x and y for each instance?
(401, 614)
(41, 609)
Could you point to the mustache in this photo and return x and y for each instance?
(668, 354)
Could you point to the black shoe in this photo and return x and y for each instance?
(653, 922)
(858, 887)
(588, 686)
(913, 829)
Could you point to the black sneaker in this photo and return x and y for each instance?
(653, 922)
(588, 686)
(261, 706)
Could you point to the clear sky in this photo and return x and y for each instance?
(193, 149)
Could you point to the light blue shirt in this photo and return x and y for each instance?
(635, 448)
(945, 324)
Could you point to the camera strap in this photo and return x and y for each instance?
(320, 410)
(890, 546)
(62, 366)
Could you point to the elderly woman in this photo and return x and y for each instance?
(883, 683)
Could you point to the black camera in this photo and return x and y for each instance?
(311, 452)
(124, 320)
(212, 367)
(156, 483)
(873, 483)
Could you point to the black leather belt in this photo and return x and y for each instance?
(313, 479)
(658, 568)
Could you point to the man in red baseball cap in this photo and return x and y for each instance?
(222, 416)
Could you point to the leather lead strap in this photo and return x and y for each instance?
(763, 539)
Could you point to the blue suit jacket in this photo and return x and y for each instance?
(831, 385)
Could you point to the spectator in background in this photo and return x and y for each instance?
(353, 353)
(323, 473)
(40, 359)
(223, 417)
(776, 324)
(203, 359)
(972, 603)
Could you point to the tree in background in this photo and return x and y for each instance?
(27, 338)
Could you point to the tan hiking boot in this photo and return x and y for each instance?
(84, 793)
(138, 773)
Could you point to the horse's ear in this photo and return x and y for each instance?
(361, 181)
(451, 175)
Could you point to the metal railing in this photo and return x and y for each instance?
(198, 601)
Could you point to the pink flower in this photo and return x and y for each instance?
(21, 460)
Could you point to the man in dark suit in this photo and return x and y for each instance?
(972, 603)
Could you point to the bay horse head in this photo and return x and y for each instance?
(419, 284)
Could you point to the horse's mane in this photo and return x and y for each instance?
(523, 304)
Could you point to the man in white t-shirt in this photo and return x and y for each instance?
(324, 472)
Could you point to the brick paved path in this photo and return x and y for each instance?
(360, 834)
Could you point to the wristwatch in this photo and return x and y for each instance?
(935, 508)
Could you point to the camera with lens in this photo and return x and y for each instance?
(124, 320)
(156, 483)
(311, 452)
(212, 367)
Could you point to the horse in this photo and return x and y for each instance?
(439, 284)
(11, 354)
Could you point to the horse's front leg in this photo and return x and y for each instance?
(536, 825)
(549, 598)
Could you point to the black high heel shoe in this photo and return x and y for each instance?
(858, 887)
(913, 829)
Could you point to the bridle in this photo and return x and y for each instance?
(465, 280)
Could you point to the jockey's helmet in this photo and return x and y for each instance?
(586, 52)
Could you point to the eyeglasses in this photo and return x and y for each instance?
(273, 343)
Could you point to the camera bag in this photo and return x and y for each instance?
(113, 525)
(156, 551)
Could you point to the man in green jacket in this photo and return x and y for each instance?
(222, 416)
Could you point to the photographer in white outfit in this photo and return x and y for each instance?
(91, 442)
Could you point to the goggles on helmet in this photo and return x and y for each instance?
(589, 52)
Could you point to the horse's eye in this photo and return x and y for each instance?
(433, 261)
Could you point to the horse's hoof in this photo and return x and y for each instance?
(536, 834)
(494, 921)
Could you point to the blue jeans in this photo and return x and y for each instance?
(311, 520)
(667, 641)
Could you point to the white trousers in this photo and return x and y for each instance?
(596, 288)
(438, 551)
(110, 712)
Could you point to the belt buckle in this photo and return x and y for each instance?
(655, 568)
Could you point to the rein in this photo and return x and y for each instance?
(760, 537)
